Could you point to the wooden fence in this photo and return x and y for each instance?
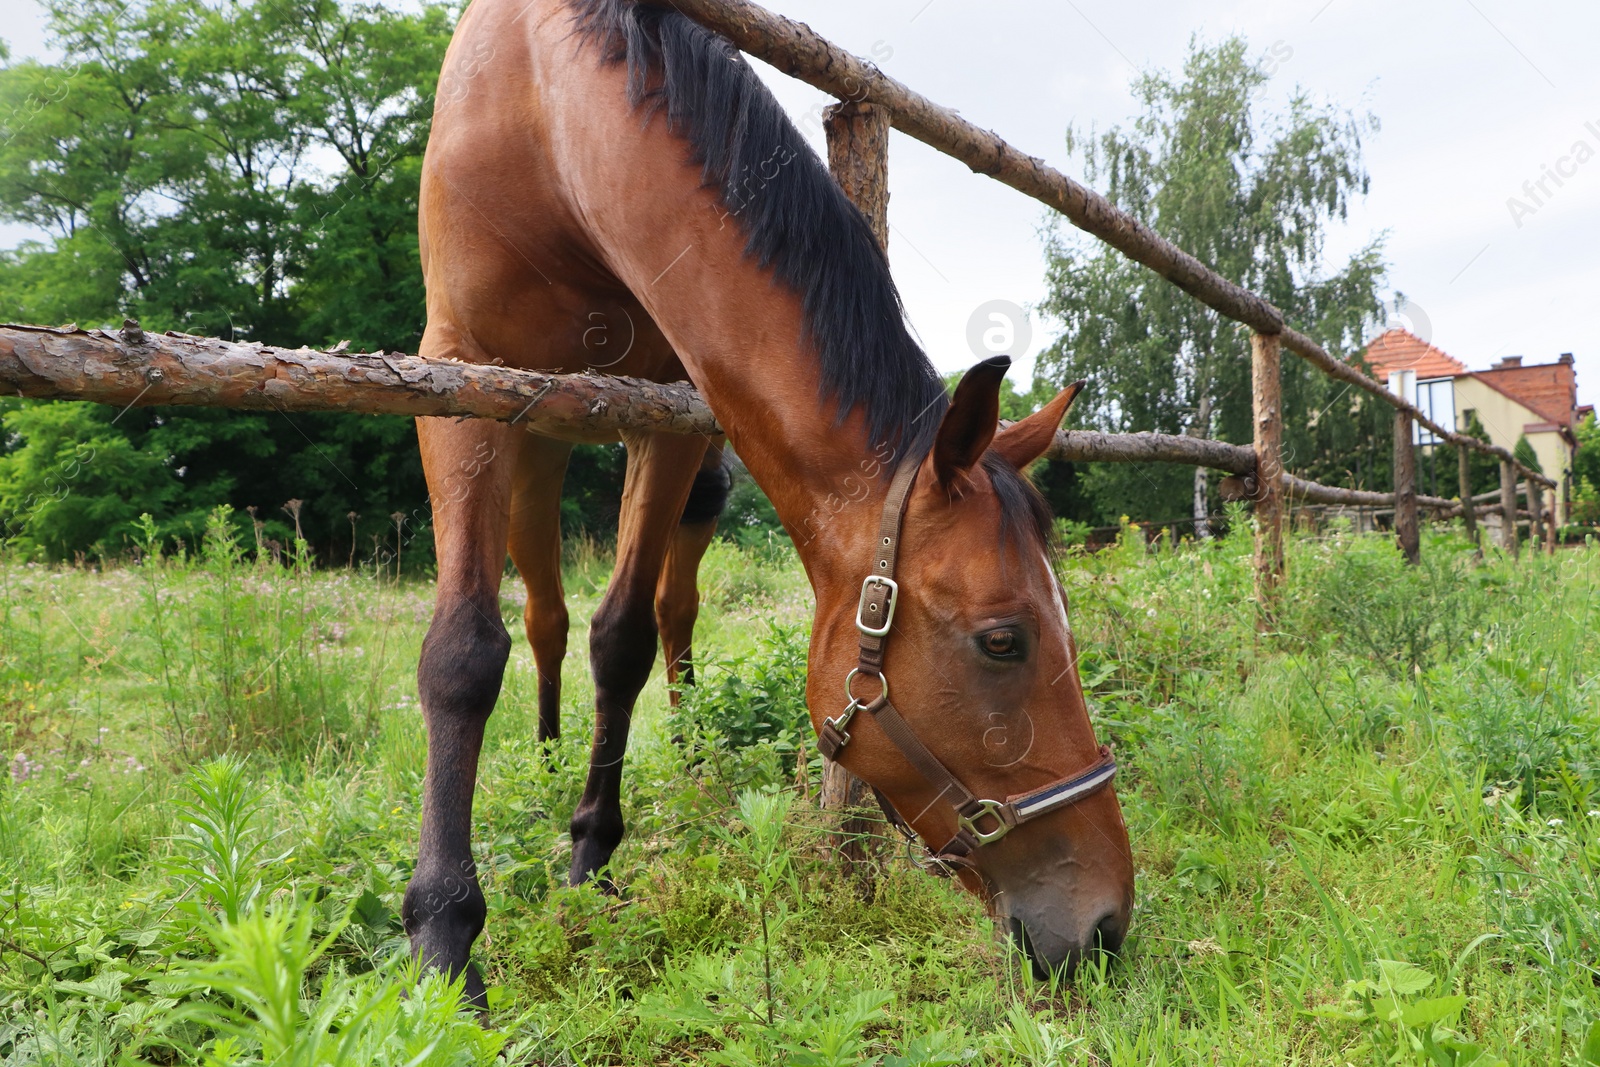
(129, 367)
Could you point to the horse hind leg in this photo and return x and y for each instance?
(469, 467)
(622, 635)
(535, 545)
(678, 591)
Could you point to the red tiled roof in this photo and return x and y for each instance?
(1549, 390)
(1403, 350)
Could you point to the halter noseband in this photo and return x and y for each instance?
(874, 617)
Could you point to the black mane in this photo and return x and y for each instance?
(797, 220)
(798, 223)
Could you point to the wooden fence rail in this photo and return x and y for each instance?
(132, 368)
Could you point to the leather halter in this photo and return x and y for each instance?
(874, 619)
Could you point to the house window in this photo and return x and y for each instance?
(1437, 400)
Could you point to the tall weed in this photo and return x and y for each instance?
(248, 657)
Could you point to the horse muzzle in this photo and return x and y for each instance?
(1056, 942)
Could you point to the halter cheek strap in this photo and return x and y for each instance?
(980, 821)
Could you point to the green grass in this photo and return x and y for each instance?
(1369, 837)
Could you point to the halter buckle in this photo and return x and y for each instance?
(888, 608)
(992, 809)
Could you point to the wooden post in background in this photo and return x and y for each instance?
(1535, 495)
(1469, 511)
(1267, 397)
(1552, 528)
(858, 156)
(1508, 507)
(1406, 533)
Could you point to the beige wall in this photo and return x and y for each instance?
(1503, 419)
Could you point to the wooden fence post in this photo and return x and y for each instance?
(858, 156)
(1469, 511)
(1552, 528)
(1508, 507)
(1535, 495)
(1406, 534)
(1267, 397)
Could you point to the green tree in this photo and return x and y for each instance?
(79, 484)
(1586, 473)
(1249, 193)
(1525, 454)
(246, 170)
(201, 159)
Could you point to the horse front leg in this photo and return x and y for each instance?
(469, 467)
(622, 636)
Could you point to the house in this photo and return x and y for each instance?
(1539, 401)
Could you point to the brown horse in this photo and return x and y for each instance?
(593, 163)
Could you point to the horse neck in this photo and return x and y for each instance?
(742, 337)
(639, 202)
(825, 476)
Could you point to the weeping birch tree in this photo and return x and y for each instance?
(1250, 191)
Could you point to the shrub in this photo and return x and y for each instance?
(754, 699)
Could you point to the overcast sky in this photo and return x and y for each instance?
(1476, 98)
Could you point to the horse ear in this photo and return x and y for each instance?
(968, 425)
(1025, 441)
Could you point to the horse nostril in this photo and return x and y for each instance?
(1019, 936)
(1109, 933)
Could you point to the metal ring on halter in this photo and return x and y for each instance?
(991, 808)
(849, 680)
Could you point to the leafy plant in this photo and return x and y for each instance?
(1404, 1026)
(222, 855)
(253, 997)
(756, 698)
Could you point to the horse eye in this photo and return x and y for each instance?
(1000, 644)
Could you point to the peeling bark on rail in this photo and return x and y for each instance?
(1087, 446)
(800, 52)
(132, 368)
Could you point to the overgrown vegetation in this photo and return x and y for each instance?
(1368, 838)
(241, 170)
